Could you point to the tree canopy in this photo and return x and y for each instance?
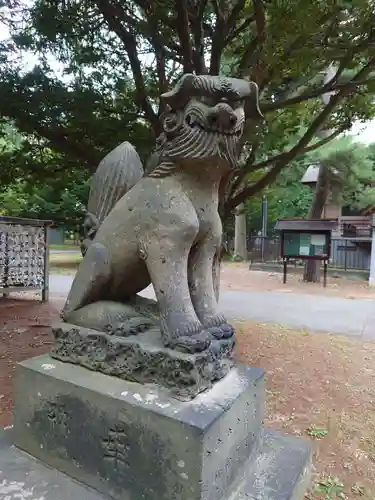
(102, 64)
(65, 208)
(350, 171)
(352, 167)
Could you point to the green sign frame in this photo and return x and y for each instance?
(305, 244)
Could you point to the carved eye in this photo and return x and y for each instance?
(240, 103)
(208, 101)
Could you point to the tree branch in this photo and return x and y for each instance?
(305, 150)
(350, 54)
(241, 172)
(58, 139)
(217, 9)
(329, 87)
(316, 125)
(171, 73)
(252, 55)
(158, 48)
(233, 16)
(235, 32)
(113, 18)
(182, 26)
(295, 44)
(250, 167)
(333, 83)
(217, 39)
(141, 26)
(198, 53)
(260, 17)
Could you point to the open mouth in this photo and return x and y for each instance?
(192, 122)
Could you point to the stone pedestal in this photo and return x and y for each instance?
(143, 358)
(131, 441)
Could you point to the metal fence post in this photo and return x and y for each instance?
(346, 255)
(6, 266)
(372, 260)
(45, 291)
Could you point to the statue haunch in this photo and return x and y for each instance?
(164, 228)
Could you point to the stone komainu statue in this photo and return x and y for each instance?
(116, 174)
(163, 228)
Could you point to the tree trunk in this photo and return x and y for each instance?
(217, 270)
(311, 273)
(240, 235)
(312, 267)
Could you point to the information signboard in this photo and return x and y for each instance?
(305, 245)
(306, 239)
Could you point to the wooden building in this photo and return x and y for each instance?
(354, 225)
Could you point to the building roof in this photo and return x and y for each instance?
(311, 175)
(23, 221)
(306, 224)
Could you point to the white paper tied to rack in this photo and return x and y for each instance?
(22, 251)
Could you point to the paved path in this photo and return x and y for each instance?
(315, 313)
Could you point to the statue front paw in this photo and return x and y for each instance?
(218, 327)
(215, 321)
(228, 330)
(191, 344)
(190, 338)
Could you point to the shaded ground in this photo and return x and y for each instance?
(25, 332)
(239, 277)
(318, 385)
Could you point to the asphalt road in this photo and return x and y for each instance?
(300, 311)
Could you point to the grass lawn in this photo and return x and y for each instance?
(64, 262)
(64, 246)
(319, 386)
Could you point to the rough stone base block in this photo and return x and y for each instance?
(24, 477)
(134, 441)
(131, 441)
(281, 472)
(143, 358)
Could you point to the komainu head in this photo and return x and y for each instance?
(205, 118)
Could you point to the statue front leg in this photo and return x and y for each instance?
(167, 265)
(204, 290)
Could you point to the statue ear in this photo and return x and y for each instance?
(170, 121)
(167, 111)
(180, 94)
(252, 109)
